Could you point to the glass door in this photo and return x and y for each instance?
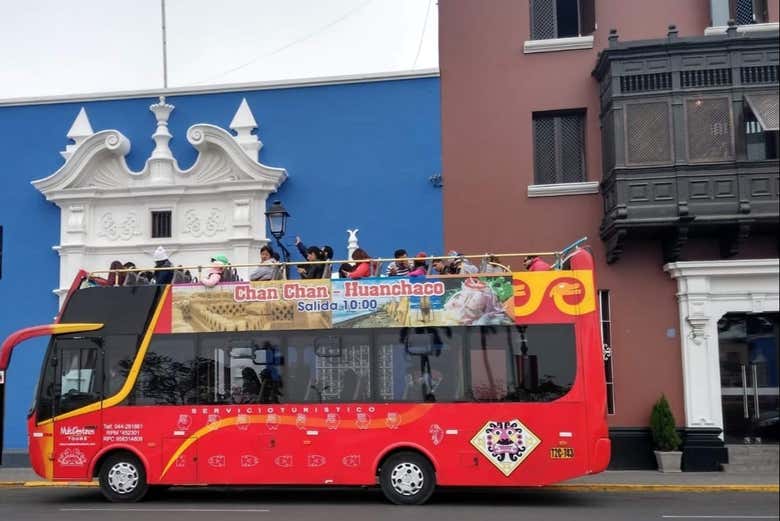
(748, 346)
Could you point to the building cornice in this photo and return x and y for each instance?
(227, 87)
(723, 267)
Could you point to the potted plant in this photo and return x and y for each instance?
(665, 438)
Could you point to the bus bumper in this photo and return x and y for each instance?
(601, 454)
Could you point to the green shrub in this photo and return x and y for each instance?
(665, 435)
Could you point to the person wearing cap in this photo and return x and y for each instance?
(214, 273)
(534, 263)
(419, 266)
(161, 260)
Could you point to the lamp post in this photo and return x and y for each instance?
(277, 223)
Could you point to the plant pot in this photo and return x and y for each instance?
(668, 461)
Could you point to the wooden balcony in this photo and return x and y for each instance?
(689, 140)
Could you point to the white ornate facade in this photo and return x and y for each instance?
(217, 206)
(707, 290)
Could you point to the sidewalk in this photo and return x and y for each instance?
(616, 480)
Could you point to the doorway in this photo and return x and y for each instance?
(748, 347)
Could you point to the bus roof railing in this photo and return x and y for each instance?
(377, 262)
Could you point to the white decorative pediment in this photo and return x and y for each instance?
(215, 206)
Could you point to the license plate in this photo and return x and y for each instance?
(561, 453)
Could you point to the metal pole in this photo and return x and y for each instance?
(164, 46)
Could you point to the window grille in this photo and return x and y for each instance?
(759, 74)
(705, 78)
(559, 148)
(646, 82)
(745, 12)
(605, 316)
(608, 141)
(709, 129)
(543, 20)
(562, 18)
(161, 224)
(647, 133)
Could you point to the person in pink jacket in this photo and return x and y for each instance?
(534, 263)
(420, 267)
(361, 269)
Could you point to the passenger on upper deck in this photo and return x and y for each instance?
(162, 276)
(493, 264)
(420, 267)
(312, 271)
(214, 273)
(268, 266)
(534, 263)
(400, 266)
(361, 269)
(116, 278)
(457, 266)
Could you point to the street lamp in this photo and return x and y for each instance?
(277, 223)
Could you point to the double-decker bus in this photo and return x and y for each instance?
(489, 379)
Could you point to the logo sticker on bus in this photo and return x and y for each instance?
(505, 444)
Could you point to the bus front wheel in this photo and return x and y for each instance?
(122, 478)
(407, 478)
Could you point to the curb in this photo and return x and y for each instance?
(626, 487)
(604, 487)
(42, 484)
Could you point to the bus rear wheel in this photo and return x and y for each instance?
(407, 478)
(122, 478)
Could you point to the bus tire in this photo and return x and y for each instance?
(407, 478)
(122, 478)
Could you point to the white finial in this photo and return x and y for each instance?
(243, 124)
(80, 130)
(161, 160)
(352, 242)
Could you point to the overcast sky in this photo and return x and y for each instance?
(50, 48)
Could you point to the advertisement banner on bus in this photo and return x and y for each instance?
(380, 302)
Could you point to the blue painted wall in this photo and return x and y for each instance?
(358, 156)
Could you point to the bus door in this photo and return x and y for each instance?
(78, 384)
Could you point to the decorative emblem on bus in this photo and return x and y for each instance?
(392, 420)
(72, 458)
(184, 423)
(351, 460)
(316, 460)
(332, 421)
(363, 421)
(505, 444)
(272, 422)
(300, 421)
(217, 461)
(284, 461)
(249, 460)
(436, 432)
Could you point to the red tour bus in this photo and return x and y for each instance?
(490, 379)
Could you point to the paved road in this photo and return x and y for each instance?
(208, 504)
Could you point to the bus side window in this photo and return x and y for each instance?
(168, 372)
(118, 355)
(420, 365)
(78, 381)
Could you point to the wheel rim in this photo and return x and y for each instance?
(407, 479)
(123, 477)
